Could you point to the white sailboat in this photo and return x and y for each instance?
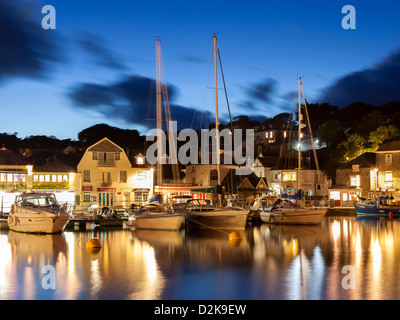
(153, 216)
(284, 211)
(200, 214)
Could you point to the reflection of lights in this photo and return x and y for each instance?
(335, 230)
(358, 245)
(376, 256)
(5, 261)
(150, 261)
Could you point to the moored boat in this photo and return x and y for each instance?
(37, 213)
(156, 218)
(201, 214)
(381, 206)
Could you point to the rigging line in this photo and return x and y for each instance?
(205, 94)
(230, 118)
(311, 135)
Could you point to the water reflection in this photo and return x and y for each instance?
(269, 262)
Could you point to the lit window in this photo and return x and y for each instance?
(356, 167)
(355, 180)
(53, 178)
(335, 195)
(388, 176)
(289, 176)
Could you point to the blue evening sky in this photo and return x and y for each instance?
(109, 47)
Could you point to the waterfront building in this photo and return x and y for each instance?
(369, 173)
(110, 180)
(15, 177)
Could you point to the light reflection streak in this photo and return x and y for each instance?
(5, 264)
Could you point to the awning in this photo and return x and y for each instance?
(216, 189)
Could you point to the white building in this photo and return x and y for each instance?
(109, 179)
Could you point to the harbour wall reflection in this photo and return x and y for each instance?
(270, 262)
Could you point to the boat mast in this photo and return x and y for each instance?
(299, 139)
(159, 112)
(216, 108)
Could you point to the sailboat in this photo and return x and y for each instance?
(155, 216)
(200, 213)
(284, 211)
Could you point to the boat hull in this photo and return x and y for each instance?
(374, 211)
(38, 224)
(219, 220)
(158, 222)
(312, 216)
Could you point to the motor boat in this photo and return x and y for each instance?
(201, 214)
(156, 217)
(37, 213)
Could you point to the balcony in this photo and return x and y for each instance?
(106, 184)
(106, 163)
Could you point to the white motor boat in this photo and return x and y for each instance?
(201, 214)
(37, 213)
(284, 212)
(155, 217)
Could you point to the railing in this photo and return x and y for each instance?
(106, 162)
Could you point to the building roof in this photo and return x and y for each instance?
(366, 160)
(8, 157)
(391, 144)
(105, 145)
(54, 165)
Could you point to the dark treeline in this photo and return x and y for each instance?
(346, 132)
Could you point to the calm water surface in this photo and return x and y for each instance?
(271, 262)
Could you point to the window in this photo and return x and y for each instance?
(289, 176)
(335, 195)
(106, 177)
(53, 178)
(388, 176)
(117, 156)
(86, 175)
(122, 176)
(86, 197)
(214, 175)
(95, 156)
(388, 158)
(141, 175)
(355, 180)
(356, 167)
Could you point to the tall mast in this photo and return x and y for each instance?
(216, 108)
(299, 139)
(159, 112)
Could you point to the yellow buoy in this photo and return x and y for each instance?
(235, 236)
(93, 243)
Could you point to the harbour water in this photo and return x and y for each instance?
(343, 258)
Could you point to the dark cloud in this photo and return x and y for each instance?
(133, 99)
(263, 91)
(96, 48)
(26, 49)
(377, 85)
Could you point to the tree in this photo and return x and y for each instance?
(350, 148)
(377, 137)
(331, 132)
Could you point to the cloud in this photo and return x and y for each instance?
(26, 49)
(96, 48)
(132, 99)
(263, 90)
(376, 85)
